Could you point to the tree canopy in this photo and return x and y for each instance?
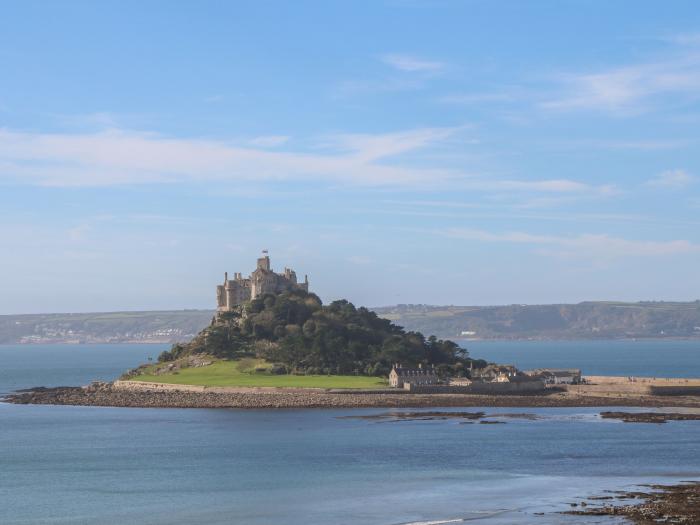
(295, 330)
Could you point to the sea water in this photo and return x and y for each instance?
(91, 465)
(622, 357)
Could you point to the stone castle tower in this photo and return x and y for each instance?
(263, 280)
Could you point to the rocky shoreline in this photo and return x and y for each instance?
(665, 504)
(111, 395)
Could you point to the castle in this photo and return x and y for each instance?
(263, 280)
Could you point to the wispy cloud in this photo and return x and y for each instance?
(99, 119)
(583, 246)
(629, 89)
(269, 141)
(673, 179)
(557, 186)
(128, 158)
(627, 144)
(407, 73)
(412, 64)
(125, 157)
(685, 39)
(375, 146)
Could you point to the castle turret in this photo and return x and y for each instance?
(264, 263)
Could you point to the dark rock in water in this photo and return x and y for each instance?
(492, 422)
(676, 504)
(529, 417)
(47, 396)
(649, 417)
(40, 389)
(418, 416)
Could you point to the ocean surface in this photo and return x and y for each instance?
(90, 465)
(652, 358)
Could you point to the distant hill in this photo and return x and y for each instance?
(108, 327)
(588, 320)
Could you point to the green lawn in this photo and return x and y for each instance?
(229, 373)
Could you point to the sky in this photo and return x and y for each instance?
(396, 151)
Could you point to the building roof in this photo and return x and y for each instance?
(413, 371)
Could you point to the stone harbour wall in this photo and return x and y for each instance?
(525, 387)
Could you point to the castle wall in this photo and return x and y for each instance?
(220, 296)
(262, 280)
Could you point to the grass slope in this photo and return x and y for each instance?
(242, 373)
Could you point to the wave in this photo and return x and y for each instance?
(481, 515)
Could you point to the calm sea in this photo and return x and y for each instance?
(89, 465)
(660, 358)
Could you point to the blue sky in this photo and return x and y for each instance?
(397, 151)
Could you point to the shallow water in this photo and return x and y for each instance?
(90, 465)
(26, 366)
(152, 466)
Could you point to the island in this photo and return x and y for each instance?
(273, 344)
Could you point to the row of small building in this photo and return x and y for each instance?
(406, 378)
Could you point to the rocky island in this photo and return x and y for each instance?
(274, 344)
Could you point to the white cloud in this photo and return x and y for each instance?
(121, 157)
(546, 186)
(372, 147)
(629, 88)
(673, 179)
(126, 158)
(412, 64)
(584, 246)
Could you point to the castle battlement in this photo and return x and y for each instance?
(262, 280)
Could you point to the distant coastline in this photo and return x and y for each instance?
(582, 321)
